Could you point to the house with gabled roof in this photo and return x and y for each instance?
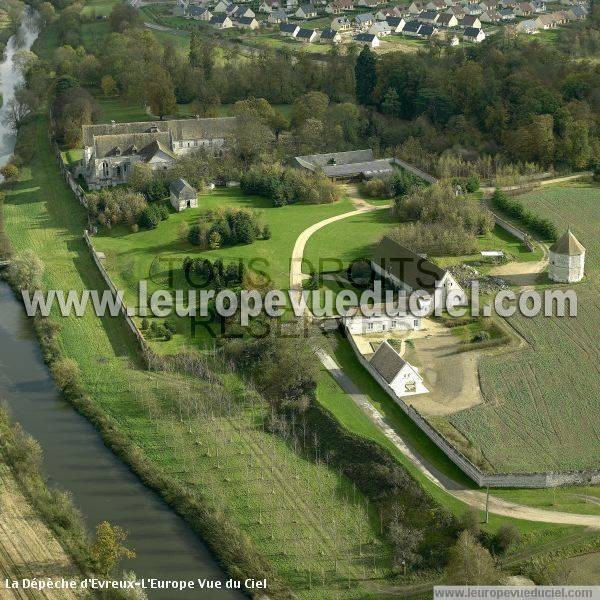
(427, 30)
(383, 13)
(473, 9)
(350, 165)
(415, 8)
(338, 7)
(277, 16)
(221, 21)
(341, 24)
(412, 28)
(429, 16)
(306, 11)
(199, 13)
(369, 3)
(247, 23)
(267, 6)
(367, 39)
(380, 29)
(364, 20)
(447, 20)
(577, 13)
(398, 374)
(241, 12)
(396, 24)
(507, 14)
(435, 5)
(490, 16)
(308, 36)
(289, 29)
(472, 34)
(330, 36)
(221, 6)
(529, 26)
(524, 9)
(470, 21)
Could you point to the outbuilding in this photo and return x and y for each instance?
(183, 195)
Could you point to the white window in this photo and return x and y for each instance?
(369, 326)
(416, 322)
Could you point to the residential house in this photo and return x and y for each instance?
(364, 21)
(242, 12)
(341, 24)
(507, 14)
(473, 9)
(308, 36)
(429, 16)
(277, 16)
(367, 39)
(338, 7)
(539, 6)
(306, 11)
(369, 3)
(267, 6)
(408, 271)
(412, 28)
(488, 5)
(577, 13)
(289, 29)
(472, 34)
(182, 195)
(221, 22)
(383, 13)
(508, 3)
(221, 7)
(428, 30)
(435, 5)
(561, 17)
(529, 26)
(416, 7)
(364, 322)
(111, 151)
(400, 376)
(524, 9)
(380, 29)
(247, 23)
(396, 24)
(490, 16)
(447, 20)
(457, 11)
(291, 4)
(199, 14)
(470, 21)
(330, 36)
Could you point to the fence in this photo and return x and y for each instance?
(498, 480)
(75, 187)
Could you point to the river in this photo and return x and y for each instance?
(75, 458)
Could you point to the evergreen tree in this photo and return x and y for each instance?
(366, 76)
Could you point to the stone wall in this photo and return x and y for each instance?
(498, 480)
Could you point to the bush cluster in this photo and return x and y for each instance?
(284, 185)
(513, 208)
(152, 215)
(214, 274)
(398, 184)
(227, 228)
(114, 206)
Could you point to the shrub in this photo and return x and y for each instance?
(506, 536)
(114, 206)
(10, 172)
(472, 184)
(152, 215)
(26, 270)
(66, 374)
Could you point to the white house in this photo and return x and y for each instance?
(330, 36)
(368, 39)
(400, 376)
(566, 260)
(471, 34)
(277, 16)
(447, 20)
(182, 195)
(360, 324)
(247, 23)
(380, 29)
(220, 7)
(341, 24)
(221, 22)
(364, 21)
(289, 29)
(396, 24)
(308, 36)
(470, 21)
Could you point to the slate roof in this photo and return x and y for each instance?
(469, 20)
(126, 143)
(364, 18)
(427, 30)
(336, 158)
(346, 164)
(182, 189)
(408, 267)
(387, 362)
(305, 33)
(471, 32)
(246, 20)
(288, 27)
(428, 15)
(152, 149)
(394, 21)
(568, 244)
(412, 27)
(328, 34)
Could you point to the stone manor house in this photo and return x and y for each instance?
(110, 151)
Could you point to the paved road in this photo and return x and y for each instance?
(470, 497)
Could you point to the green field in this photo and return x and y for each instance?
(305, 518)
(542, 409)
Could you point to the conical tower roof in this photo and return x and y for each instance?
(568, 244)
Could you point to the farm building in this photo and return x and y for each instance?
(355, 164)
(410, 272)
(182, 195)
(401, 376)
(566, 260)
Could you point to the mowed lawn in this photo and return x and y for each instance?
(542, 409)
(303, 516)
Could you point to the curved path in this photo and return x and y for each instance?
(474, 498)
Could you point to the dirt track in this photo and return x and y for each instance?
(27, 547)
